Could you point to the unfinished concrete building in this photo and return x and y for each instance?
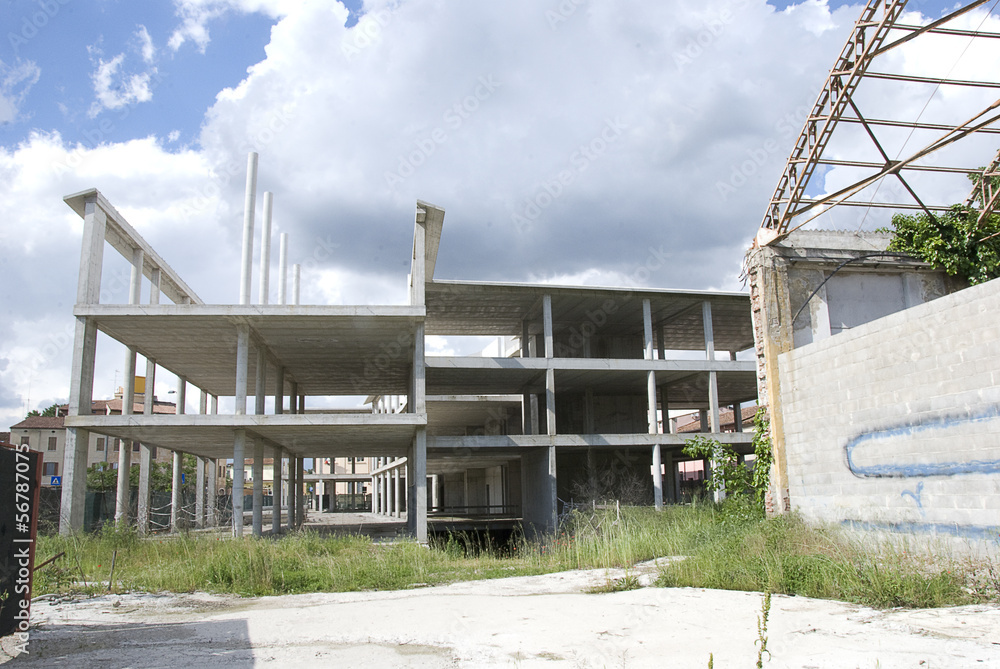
(571, 406)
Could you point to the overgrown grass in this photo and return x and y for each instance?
(726, 546)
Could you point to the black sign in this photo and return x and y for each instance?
(20, 481)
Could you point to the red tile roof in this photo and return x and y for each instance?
(725, 420)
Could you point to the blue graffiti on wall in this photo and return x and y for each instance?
(976, 532)
(923, 428)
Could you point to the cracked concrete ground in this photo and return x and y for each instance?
(537, 621)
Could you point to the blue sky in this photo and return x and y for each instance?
(67, 40)
(578, 137)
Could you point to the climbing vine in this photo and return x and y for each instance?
(953, 240)
(731, 475)
(763, 457)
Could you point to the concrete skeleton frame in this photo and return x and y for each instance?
(622, 359)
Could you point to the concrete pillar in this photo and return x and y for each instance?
(199, 492)
(175, 486)
(390, 497)
(435, 496)
(527, 426)
(538, 490)
(671, 478)
(290, 477)
(240, 436)
(300, 512)
(175, 493)
(212, 513)
(375, 501)
(416, 504)
(264, 290)
(283, 268)
(258, 447)
(74, 490)
(145, 452)
(276, 493)
(648, 354)
(713, 386)
(250, 204)
(128, 397)
(550, 373)
(396, 493)
(296, 275)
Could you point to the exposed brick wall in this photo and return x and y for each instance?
(896, 424)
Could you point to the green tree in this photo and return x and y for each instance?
(48, 412)
(102, 476)
(953, 240)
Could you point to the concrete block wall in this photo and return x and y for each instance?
(895, 424)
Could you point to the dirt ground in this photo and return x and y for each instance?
(539, 621)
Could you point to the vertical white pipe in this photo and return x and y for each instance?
(246, 269)
(283, 268)
(296, 274)
(265, 250)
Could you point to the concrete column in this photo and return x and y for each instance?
(713, 383)
(375, 501)
(300, 512)
(283, 268)
(175, 485)
(279, 391)
(296, 275)
(538, 490)
(239, 478)
(276, 493)
(145, 452)
(175, 493)
(416, 504)
(125, 451)
(212, 494)
(199, 492)
(212, 514)
(128, 397)
(74, 491)
(527, 426)
(290, 477)
(419, 379)
(390, 497)
(435, 496)
(240, 436)
(250, 204)
(671, 478)
(648, 354)
(264, 289)
(533, 398)
(258, 447)
(713, 386)
(550, 373)
(395, 493)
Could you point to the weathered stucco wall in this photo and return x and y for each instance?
(895, 424)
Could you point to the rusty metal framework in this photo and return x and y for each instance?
(877, 32)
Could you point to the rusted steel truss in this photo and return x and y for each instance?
(791, 208)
